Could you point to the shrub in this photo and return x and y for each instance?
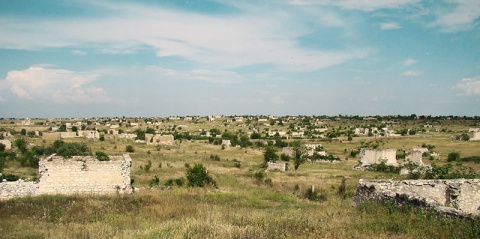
(311, 195)
(129, 148)
(101, 156)
(197, 176)
(453, 156)
(154, 181)
(259, 175)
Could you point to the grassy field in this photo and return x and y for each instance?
(244, 205)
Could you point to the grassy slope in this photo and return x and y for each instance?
(242, 206)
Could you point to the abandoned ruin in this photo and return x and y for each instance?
(455, 197)
(76, 175)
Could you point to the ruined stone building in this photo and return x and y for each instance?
(76, 175)
(167, 140)
(474, 134)
(7, 143)
(276, 166)
(377, 156)
(458, 197)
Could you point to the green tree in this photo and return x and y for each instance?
(62, 128)
(453, 156)
(298, 154)
(197, 176)
(74, 128)
(23, 132)
(140, 134)
(270, 154)
(21, 144)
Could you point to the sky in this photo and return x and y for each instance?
(149, 58)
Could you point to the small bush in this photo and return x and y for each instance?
(311, 195)
(101, 156)
(259, 175)
(154, 181)
(129, 149)
(197, 176)
(453, 156)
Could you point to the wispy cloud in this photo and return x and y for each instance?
(412, 73)
(389, 26)
(211, 76)
(462, 17)
(363, 5)
(469, 86)
(409, 61)
(233, 41)
(57, 85)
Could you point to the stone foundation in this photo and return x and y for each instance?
(459, 197)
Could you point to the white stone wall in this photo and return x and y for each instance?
(84, 175)
(9, 190)
(458, 196)
(159, 139)
(376, 156)
(7, 143)
(474, 136)
(278, 166)
(415, 157)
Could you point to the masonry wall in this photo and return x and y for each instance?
(278, 166)
(457, 197)
(51, 136)
(9, 190)
(376, 156)
(84, 175)
(159, 139)
(7, 143)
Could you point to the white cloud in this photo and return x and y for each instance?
(389, 26)
(57, 85)
(470, 86)
(409, 61)
(412, 73)
(462, 17)
(228, 42)
(363, 5)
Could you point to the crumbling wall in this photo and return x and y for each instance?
(84, 175)
(51, 136)
(460, 197)
(159, 139)
(277, 166)
(7, 143)
(20, 188)
(376, 156)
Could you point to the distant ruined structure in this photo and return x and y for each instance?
(377, 156)
(456, 197)
(76, 175)
(157, 139)
(474, 134)
(276, 166)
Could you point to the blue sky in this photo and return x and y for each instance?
(279, 57)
